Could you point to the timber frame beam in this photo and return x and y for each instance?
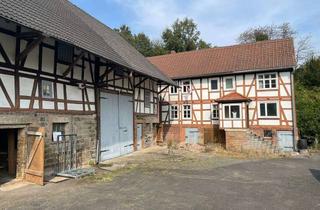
(33, 44)
(73, 64)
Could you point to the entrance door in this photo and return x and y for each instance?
(192, 135)
(116, 120)
(139, 136)
(8, 155)
(285, 141)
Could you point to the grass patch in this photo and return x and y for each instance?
(108, 176)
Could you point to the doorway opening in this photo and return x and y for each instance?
(8, 155)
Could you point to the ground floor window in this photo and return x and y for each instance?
(267, 133)
(58, 129)
(215, 112)
(174, 110)
(268, 109)
(186, 111)
(232, 111)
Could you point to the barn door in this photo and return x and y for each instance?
(35, 162)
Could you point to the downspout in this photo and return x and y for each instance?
(294, 117)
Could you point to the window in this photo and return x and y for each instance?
(47, 89)
(174, 111)
(186, 87)
(232, 111)
(215, 112)
(57, 130)
(186, 111)
(268, 109)
(65, 53)
(267, 133)
(214, 84)
(229, 83)
(147, 98)
(173, 90)
(267, 81)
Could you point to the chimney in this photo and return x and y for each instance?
(173, 52)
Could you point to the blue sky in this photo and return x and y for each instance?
(219, 21)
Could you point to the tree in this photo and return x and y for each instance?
(307, 94)
(183, 36)
(158, 48)
(283, 31)
(203, 45)
(143, 44)
(126, 33)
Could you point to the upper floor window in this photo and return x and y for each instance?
(215, 111)
(186, 111)
(229, 83)
(268, 109)
(65, 52)
(267, 81)
(147, 98)
(186, 87)
(173, 90)
(214, 84)
(47, 89)
(232, 111)
(174, 112)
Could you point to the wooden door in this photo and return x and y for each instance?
(35, 163)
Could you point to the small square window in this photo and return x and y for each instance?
(64, 52)
(229, 83)
(267, 133)
(47, 89)
(214, 84)
(58, 129)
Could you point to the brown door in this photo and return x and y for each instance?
(35, 163)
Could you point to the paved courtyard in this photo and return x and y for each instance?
(184, 180)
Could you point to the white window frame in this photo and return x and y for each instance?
(218, 84)
(230, 114)
(264, 79)
(171, 88)
(233, 83)
(268, 102)
(217, 112)
(182, 85)
(174, 118)
(183, 110)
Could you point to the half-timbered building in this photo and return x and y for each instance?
(64, 75)
(231, 93)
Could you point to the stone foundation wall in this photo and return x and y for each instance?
(82, 125)
(235, 138)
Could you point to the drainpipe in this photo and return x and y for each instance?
(294, 117)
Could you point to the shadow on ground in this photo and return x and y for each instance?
(316, 174)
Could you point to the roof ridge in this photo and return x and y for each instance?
(220, 47)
